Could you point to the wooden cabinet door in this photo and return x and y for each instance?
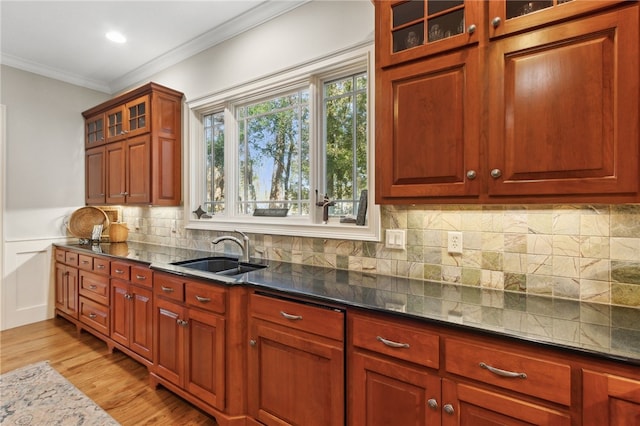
(67, 290)
(610, 400)
(406, 31)
(137, 115)
(115, 118)
(141, 321)
(116, 173)
(564, 109)
(120, 312)
(295, 378)
(511, 16)
(467, 405)
(95, 175)
(138, 173)
(428, 125)
(205, 369)
(94, 134)
(384, 392)
(169, 341)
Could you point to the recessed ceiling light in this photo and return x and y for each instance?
(116, 37)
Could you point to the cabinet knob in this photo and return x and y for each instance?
(125, 193)
(128, 296)
(496, 173)
(496, 22)
(182, 323)
(471, 174)
(433, 404)
(471, 28)
(252, 342)
(448, 408)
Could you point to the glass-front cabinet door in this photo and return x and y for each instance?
(94, 131)
(511, 16)
(128, 120)
(411, 29)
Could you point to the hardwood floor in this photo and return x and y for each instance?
(117, 383)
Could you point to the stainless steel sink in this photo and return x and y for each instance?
(220, 265)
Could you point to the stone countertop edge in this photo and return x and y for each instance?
(605, 331)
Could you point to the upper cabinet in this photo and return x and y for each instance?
(523, 102)
(134, 148)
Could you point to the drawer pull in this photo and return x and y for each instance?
(503, 373)
(85, 262)
(92, 315)
(202, 299)
(100, 267)
(290, 317)
(93, 286)
(141, 277)
(119, 271)
(167, 289)
(391, 343)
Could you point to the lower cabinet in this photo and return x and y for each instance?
(190, 337)
(610, 399)
(132, 312)
(67, 290)
(295, 363)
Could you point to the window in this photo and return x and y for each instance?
(268, 154)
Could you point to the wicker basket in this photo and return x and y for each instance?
(82, 221)
(118, 232)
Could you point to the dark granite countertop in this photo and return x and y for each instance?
(598, 329)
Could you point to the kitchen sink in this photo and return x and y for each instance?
(220, 265)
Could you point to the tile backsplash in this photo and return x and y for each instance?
(580, 252)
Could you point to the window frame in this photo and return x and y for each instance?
(311, 75)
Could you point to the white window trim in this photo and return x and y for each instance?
(293, 226)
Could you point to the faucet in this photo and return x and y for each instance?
(325, 204)
(244, 244)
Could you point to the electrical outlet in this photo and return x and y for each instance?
(395, 239)
(454, 244)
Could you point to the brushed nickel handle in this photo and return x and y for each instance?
(503, 373)
(496, 22)
(433, 404)
(167, 289)
(391, 343)
(252, 342)
(93, 286)
(85, 262)
(119, 271)
(472, 174)
(141, 277)
(100, 267)
(203, 299)
(290, 317)
(496, 173)
(92, 315)
(471, 29)
(448, 408)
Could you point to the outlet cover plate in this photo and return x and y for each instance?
(454, 242)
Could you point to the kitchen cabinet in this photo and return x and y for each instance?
(93, 293)
(506, 112)
(66, 292)
(610, 399)
(396, 376)
(132, 312)
(140, 162)
(94, 131)
(189, 334)
(295, 363)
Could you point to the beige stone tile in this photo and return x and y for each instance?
(595, 291)
(566, 266)
(515, 262)
(492, 279)
(566, 245)
(594, 225)
(595, 269)
(515, 221)
(625, 248)
(595, 247)
(539, 264)
(539, 244)
(540, 222)
(515, 243)
(625, 294)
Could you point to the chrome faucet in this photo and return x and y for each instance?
(244, 244)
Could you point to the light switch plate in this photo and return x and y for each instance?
(395, 239)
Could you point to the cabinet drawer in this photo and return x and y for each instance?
(60, 255)
(168, 287)
(120, 270)
(85, 262)
(101, 266)
(206, 297)
(529, 375)
(71, 258)
(142, 276)
(94, 287)
(94, 315)
(399, 340)
(310, 318)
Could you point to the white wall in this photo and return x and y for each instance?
(43, 183)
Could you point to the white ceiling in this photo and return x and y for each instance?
(66, 40)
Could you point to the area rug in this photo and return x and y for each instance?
(39, 395)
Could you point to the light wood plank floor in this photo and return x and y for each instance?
(117, 383)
